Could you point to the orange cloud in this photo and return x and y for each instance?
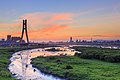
(44, 19)
(40, 24)
(52, 26)
(50, 32)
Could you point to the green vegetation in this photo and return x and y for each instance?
(71, 67)
(75, 68)
(110, 55)
(5, 54)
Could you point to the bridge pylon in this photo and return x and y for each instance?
(24, 30)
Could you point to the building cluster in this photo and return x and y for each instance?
(93, 42)
(15, 41)
(11, 41)
(78, 41)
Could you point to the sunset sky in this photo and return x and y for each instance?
(58, 20)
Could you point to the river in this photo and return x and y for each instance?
(21, 66)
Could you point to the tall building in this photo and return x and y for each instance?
(91, 39)
(71, 40)
(9, 38)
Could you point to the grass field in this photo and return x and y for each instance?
(75, 68)
(69, 67)
(109, 55)
(5, 54)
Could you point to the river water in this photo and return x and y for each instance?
(21, 66)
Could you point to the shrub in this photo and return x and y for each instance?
(69, 67)
(117, 58)
(109, 59)
(110, 55)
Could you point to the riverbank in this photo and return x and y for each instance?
(22, 68)
(5, 54)
(76, 68)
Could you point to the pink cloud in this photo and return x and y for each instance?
(45, 23)
(50, 32)
(43, 19)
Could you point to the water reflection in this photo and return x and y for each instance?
(21, 66)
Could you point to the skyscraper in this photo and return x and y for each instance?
(9, 37)
(71, 40)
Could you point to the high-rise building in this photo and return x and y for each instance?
(9, 38)
(91, 39)
(71, 39)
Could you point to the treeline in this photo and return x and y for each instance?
(110, 55)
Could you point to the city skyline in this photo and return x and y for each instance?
(59, 20)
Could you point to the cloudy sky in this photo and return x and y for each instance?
(59, 19)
